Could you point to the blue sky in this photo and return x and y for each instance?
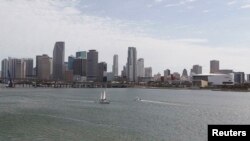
(174, 34)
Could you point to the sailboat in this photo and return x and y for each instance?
(103, 99)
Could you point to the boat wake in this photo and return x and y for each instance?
(85, 101)
(164, 103)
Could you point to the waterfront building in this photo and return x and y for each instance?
(69, 76)
(248, 78)
(239, 77)
(225, 71)
(214, 66)
(5, 68)
(132, 64)
(167, 75)
(80, 67)
(148, 72)
(70, 62)
(28, 67)
(102, 72)
(92, 65)
(81, 54)
(213, 79)
(58, 61)
(115, 65)
(123, 72)
(43, 67)
(110, 76)
(157, 77)
(140, 68)
(176, 76)
(197, 69)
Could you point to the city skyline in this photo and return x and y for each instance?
(83, 26)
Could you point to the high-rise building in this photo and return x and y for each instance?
(123, 72)
(184, 73)
(214, 66)
(140, 68)
(248, 78)
(43, 67)
(5, 68)
(115, 65)
(167, 74)
(80, 67)
(176, 76)
(70, 62)
(197, 69)
(29, 67)
(81, 54)
(92, 65)
(148, 72)
(239, 77)
(58, 61)
(131, 64)
(102, 72)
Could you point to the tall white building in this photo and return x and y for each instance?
(132, 64)
(148, 72)
(140, 68)
(115, 65)
(214, 66)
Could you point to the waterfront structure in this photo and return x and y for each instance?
(80, 67)
(167, 75)
(176, 76)
(239, 77)
(102, 72)
(92, 65)
(69, 76)
(28, 67)
(157, 77)
(123, 72)
(148, 72)
(131, 64)
(81, 54)
(43, 67)
(214, 79)
(58, 61)
(197, 69)
(115, 65)
(110, 76)
(5, 68)
(225, 71)
(248, 78)
(70, 62)
(140, 68)
(214, 66)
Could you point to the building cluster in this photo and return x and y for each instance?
(85, 67)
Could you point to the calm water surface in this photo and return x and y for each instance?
(75, 114)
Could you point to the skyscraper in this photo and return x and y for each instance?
(92, 65)
(115, 65)
(239, 77)
(184, 73)
(81, 54)
(102, 72)
(70, 62)
(29, 67)
(79, 66)
(5, 68)
(131, 64)
(140, 68)
(197, 69)
(167, 74)
(148, 72)
(214, 66)
(58, 61)
(43, 67)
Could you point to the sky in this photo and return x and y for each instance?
(168, 34)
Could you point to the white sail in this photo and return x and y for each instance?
(104, 94)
